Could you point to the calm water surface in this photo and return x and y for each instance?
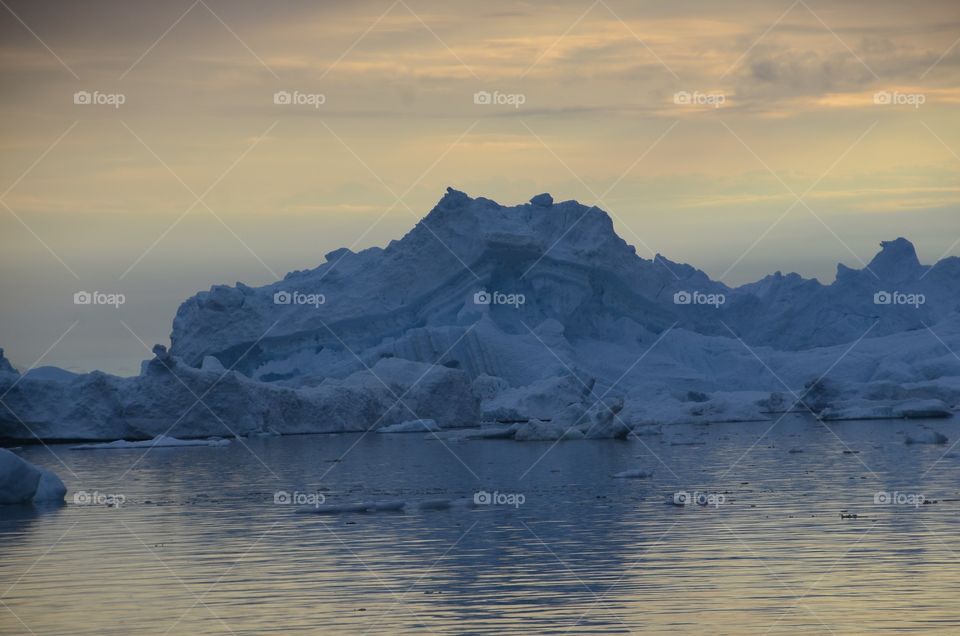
(198, 545)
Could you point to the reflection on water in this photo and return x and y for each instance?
(198, 545)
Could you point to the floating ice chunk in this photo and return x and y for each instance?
(923, 409)
(160, 441)
(50, 488)
(633, 473)
(887, 409)
(411, 426)
(18, 479)
(926, 437)
(21, 482)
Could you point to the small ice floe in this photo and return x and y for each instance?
(634, 473)
(49, 488)
(926, 437)
(411, 426)
(860, 409)
(160, 441)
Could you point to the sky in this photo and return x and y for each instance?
(156, 149)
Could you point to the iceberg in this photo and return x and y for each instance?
(546, 334)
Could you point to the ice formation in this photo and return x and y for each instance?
(22, 483)
(530, 322)
(160, 441)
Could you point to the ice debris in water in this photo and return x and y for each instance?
(160, 441)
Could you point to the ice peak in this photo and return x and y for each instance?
(5, 366)
(454, 199)
(542, 200)
(895, 257)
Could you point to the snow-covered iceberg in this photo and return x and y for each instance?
(534, 321)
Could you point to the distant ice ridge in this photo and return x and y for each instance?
(160, 441)
(531, 322)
